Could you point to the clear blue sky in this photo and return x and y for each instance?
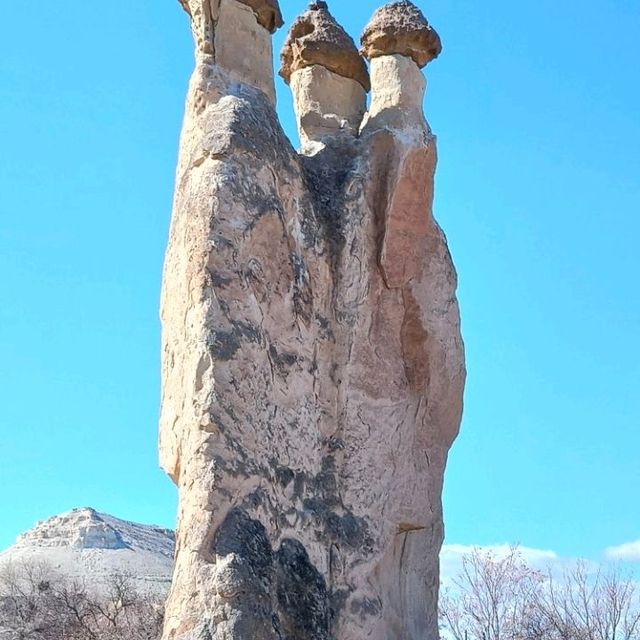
(537, 110)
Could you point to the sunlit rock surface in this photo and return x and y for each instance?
(313, 366)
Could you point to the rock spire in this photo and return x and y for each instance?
(312, 363)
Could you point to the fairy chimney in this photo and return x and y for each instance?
(312, 366)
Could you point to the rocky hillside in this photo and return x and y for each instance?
(86, 544)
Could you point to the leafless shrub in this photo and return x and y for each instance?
(38, 604)
(491, 599)
(502, 598)
(590, 606)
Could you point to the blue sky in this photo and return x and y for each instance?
(537, 110)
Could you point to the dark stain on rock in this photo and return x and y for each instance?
(248, 331)
(255, 129)
(365, 607)
(347, 529)
(326, 332)
(246, 579)
(338, 600)
(220, 242)
(225, 344)
(335, 444)
(299, 484)
(284, 476)
(282, 361)
(256, 498)
(218, 280)
(302, 294)
(234, 468)
(302, 594)
(205, 633)
(276, 595)
(217, 423)
(325, 483)
(327, 176)
(321, 501)
(248, 541)
(343, 528)
(223, 401)
(258, 203)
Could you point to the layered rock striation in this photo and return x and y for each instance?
(313, 367)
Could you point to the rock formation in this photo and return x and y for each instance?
(90, 547)
(313, 366)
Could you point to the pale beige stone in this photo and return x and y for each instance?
(326, 103)
(243, 47)
(231, 48)
(313, 366)
(397, 93)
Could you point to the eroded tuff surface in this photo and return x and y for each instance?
(267, 12)
(312, 361)
(400, 27)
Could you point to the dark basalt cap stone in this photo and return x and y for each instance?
(316, 38)
(400, 27)
(267, 12)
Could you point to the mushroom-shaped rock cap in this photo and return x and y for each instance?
(267, 12)
(316, 38)
(400, 27)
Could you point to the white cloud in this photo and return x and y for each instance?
(629, 552)
(530, 555)
(452, 554)
(544, 560)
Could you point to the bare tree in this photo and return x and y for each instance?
(491, 599)
(502, 598)
(38, 604)
(585, 605)
(28, 608)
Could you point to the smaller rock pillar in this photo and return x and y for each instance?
(233, 47)
(328, 78)
(398, 42)
(233, 55)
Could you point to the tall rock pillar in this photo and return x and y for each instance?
(313, 367)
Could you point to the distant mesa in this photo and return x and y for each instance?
(85, 543)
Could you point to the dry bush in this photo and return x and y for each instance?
(502, 598)
(36, 603)
(491, 599)
(585, 606)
